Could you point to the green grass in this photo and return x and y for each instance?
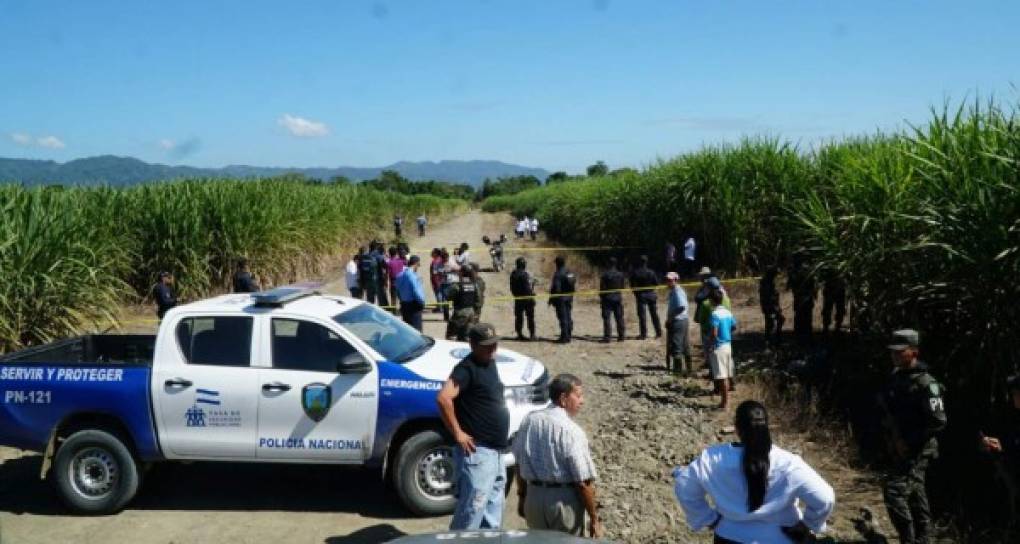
(923, 224)
(69, 257)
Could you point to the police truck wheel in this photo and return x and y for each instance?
(424, 474)
(95, 473)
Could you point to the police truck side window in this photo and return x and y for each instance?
(218, 341)
(303, 345)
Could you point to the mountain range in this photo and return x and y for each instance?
(122, 171)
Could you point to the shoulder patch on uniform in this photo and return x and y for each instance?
(934, 389)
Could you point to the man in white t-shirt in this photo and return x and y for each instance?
(533, 227)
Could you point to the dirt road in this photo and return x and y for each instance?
(641, 423)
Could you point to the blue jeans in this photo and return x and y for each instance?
(481, 481)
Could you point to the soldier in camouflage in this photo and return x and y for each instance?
(465, 297)
(914, 414)
(480, 282)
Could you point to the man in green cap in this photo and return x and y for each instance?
(913, 416)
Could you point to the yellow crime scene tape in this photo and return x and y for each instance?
(593, 292)
(420, 251)
(504, 298)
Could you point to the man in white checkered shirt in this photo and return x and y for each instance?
(555, 471)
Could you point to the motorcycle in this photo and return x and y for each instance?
(496, 251)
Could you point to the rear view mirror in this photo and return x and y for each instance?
(353, 363)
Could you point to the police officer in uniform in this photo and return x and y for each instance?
(368, 274)
(800, 281)
(771, 309)
(522, 284)
(644, 281)
(243, 280)
(463, 295)
(564, 283)
(833, 298)
(480, 282)
(914, 414)
(612, 303)
(164, 294)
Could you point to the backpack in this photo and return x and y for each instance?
(368, 269)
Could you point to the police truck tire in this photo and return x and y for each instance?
(423, 474)
(95, 473)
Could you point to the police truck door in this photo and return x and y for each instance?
(318, 400)
(203, 388)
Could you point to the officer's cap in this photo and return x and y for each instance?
(483, 334)
(903, 339)
(705, 271)
(673, 276)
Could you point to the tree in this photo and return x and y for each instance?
(340, 180)
(556, 177)
(598, 169)
(619, 171)
(508, 186)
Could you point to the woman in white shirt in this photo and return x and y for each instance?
(754, 486)
(351, 274)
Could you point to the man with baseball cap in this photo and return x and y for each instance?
(473, 409)
(678, 348)
(914, 415)
(164, 294)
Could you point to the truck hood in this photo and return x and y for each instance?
(437, 364)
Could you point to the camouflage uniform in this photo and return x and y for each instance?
(481, 297)
(465, 297)
(913, 416)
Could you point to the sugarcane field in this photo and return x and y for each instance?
(644, 272)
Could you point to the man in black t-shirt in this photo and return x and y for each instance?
(473, 409)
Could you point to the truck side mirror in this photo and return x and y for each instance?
(353, 363)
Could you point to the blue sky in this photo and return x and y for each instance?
(557, 83)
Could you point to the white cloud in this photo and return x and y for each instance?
(179, 149)
(302, 128)
(51, 142)
(27, 140)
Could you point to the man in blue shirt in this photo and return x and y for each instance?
(411, 293)
(721, 355)
(677, 323)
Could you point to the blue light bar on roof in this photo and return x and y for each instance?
(282, 295)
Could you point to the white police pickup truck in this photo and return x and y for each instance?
(285, 376)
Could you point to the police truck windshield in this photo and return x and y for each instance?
(391, 337)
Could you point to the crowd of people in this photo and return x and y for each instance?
(754, 487)
(749, 490)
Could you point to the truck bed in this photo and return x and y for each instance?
(98, 375)
(91, 349)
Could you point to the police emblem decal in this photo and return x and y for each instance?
(316, 399)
